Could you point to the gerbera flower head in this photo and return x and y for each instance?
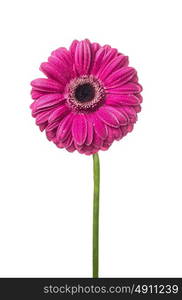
(89, 99)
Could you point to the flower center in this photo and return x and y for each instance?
(85, 93)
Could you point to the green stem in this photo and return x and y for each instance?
(96, 173)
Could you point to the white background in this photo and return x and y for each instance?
(46, 192)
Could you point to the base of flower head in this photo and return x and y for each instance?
(85, 93)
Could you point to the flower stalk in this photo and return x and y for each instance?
(96, 177)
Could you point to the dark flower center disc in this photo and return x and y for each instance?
(84, 92)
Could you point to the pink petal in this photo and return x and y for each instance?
(36, 112)
(68, 141)
(90, 130)
(43, 126)
(97, 141)
(140, 98)
(83, 57)
(43, 117)
(89, 150)
(107, 47)
(51, 134)
(59, 113)
(32, 105)
(73, 48)
(36, 94)
(128, 88)
(71, 148)
(98, 60)
(117, 133)
(79, 129)
(64, 56)
(100, 127)
(120, 77)
(124, 130)
(110, 138)
(53, 125)
(127, 129)
(120, 115)
(46, 85)
(64, 129)
(114, 99)
(117, 63)
(51, 72)
(105, 146)
(59, 144)
(137, 108)
(94, 48)
(64, 61)
(61, 67)
(108, 117)
(107, 59)
(135, 78)
(131, 113)
(114, 134)
(78, 147)
(130, 127)
(48, 100)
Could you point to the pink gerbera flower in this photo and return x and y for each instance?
(89, 99)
